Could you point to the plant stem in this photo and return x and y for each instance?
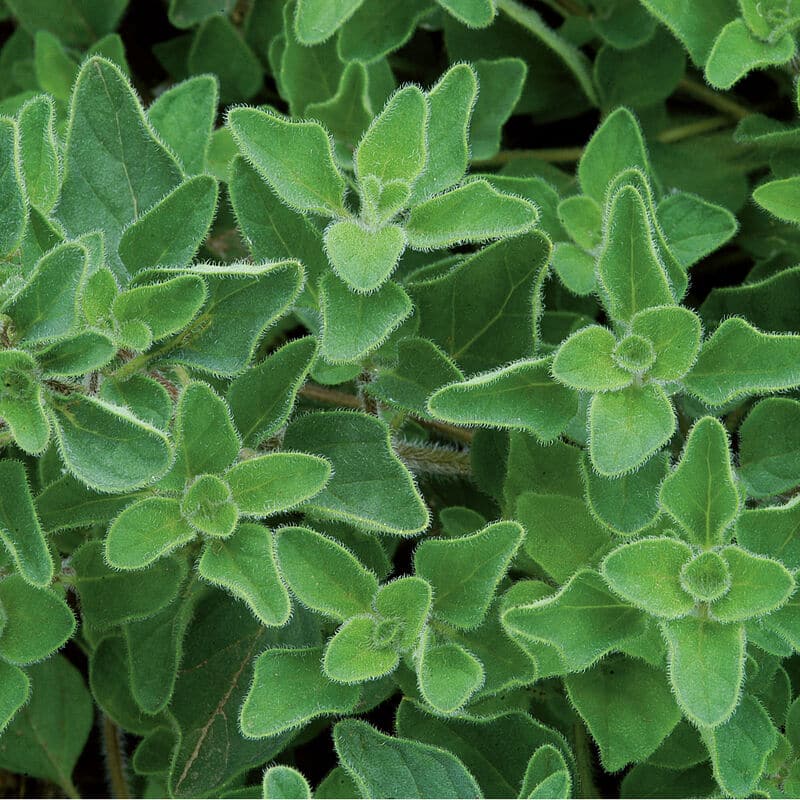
(115, 759)
(434, 459)
(691, 129)
(714, 99)
(584, 763)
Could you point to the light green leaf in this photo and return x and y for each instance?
(289, 690)
(362, 257)
(361, 650)
(281, 782)
(627, 427)
(706, 667)
(700, 494)
(472, 13)
(39, 156)
(407, 602)
(582, 218)
(501, 82)
(707, 577)
(383, 766)
(585, 361)
(276, 482)
(77, 355)
(317, 20)
(12, 189)
(675, 333)
(475, 212)
(262, 398)
(465, 572)
(244, 565)
(780, 198)
(105, 446)
(582, 621)
(154, 240)
(323, 575)
(575, 268)
(79, 24)
(208, 506)
(647, 573)
(547, 775)
(37, 621)
(21, 401)
(772, 531)
(370, 487)
(628, 707)
(20, 530)
(14, 693)
(448, 674)
(295, 158)
(522, 396)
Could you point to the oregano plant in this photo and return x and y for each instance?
(399, 399)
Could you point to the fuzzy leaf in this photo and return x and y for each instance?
(522, 396)
(547, 775)
(406, 601)
(472, 13)
(370, 487)
(772, 531)
(14, 693)
(501, 82)
(448, 675)
(12, 189)
(39, 154)
(359, 652)
(585, 361)
(675, 334)
(317, 20)
(21, 401)
(281, 782)
(77, 355)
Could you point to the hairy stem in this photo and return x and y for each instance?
(713, 99)
(434, 459)
(115, 759)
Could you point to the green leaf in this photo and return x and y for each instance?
(575, 268)
(405, 601)
(395, 144)
(21, 401)
(145, 531)
(465, 572)
(586, 361)
(262, 398)
(361, 651)
(628, 707)
(362, 257)
(244, 565)
(55, 68)
(285, 782)
(421, 369)
(38, 152)
(323, 575)
(114, 166)
(484, 311)
(779, 198)
(522, 396)
(289, 690)
(706, 667)
(154, 240)
(207, 506)
(627, 427)
(582, 621)
(370, 487)
(545, 517)
(244, 300)
(77, 355)
(14, 694)
(276, 482)
(616, 145)
(47, 308)
(317, 20)
(48, 735)
(759, 585)
(472, 13)
(475, 212)
(354, 325)
(547, 775)
(772, 531)
(20, 530)
(700, 494)
(737, 51)
(295, 158)
(451, 102)
(448, 674)
(383, 766)
(184, 116)
(501, 82)
(79, 24)
(675, 333)
(112, 597)
(629, 267)
(647, 573)
(37, 621)
(629, 503)
(582, 218)
(105, 446)
(706, 577)
(739, 747)
(187, 13)
(717, 376)
(12, 187)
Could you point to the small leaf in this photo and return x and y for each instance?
(772, 531)
(323, 575)
(39, 153)
(675, 333)
(244, 565)
(20, 530)
(289, 690)
(14, 693)
(21, 401)
(406, 601)
(464, 572)
(522, 396)
(77, 355)
(706, 577)
(208, 506)
(627, 427)
(501, 82)
(281, 783)
(717, 376)
(448, 675)
(585, 361)
(105, 446)
(37, 621)
(700, 494)
(475, 212)
(276, 482)
(364, 258)
(318, 20)
(395, 144)
(547, 775)
(360, 651)
(370, 487)
(472, 13)
(647, 573)
(295, 158)
(706, 667)
(144, 396)
(12, 189)
(383, 766)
